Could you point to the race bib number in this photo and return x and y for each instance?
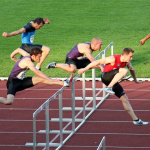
(32, 38)
(21, 75)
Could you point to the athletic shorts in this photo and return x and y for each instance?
(28, 47)
(81, 63)
(15, 85)
(107, 78)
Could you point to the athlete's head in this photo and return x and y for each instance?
(38, 23)
(96, 44)
(39, 20)
(36, 54)
(127, 53)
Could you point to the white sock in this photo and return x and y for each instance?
(37, 67)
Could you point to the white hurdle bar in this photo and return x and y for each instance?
(61, 131)
(102, 144)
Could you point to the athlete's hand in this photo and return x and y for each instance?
(142, 42)
(101, 67)
(80, 71)
(46, 20)
(5, 34)
(14, 59)
(138, 81)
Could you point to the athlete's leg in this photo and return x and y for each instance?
(45, 52)
(37, 80)
(69, 68)
(127, 106)
(7, 101)
(122, 72)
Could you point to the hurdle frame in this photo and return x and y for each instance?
(72, 121)
(102, 144)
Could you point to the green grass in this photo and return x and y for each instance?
(124, 23)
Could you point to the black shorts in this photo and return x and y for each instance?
(81, 63)
(28, 47)
(107, 78)
(15, 85)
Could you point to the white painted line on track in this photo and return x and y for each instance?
(116, 147)
(108, 99)
(120, 147)
(23, 109)
(12, 146)
(137, 134)
(84, 133)
(7, 120)
(16, 132)
(41, 89)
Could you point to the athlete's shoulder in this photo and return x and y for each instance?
(116, 56)
(29, 27)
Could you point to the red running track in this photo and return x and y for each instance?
(109, 120)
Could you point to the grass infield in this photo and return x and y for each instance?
(123, 22)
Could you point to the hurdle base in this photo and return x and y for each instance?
(88, 98)
(42, 144)
(66, 120)
(77, 108)
(55, 131)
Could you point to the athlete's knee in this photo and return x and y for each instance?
(125, 102)
(37, 80)
(9, 102)
(10, 99)
(46, 49)
(72, 70)
(124, 71)
(124, 98)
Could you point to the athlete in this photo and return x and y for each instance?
(113, 72)
(27, 38)
(144, 39)
(75, 58)
(17, 82)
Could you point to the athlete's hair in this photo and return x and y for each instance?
(127, 50)
(39, 20)
(35, 51)
(96, 40)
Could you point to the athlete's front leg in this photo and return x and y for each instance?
(122, 72)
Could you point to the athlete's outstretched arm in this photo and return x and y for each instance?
(103, 61)
(22, 30)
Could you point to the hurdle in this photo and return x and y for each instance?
(70, 121)
(102, 144)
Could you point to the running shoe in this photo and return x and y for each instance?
(125, 78)
(140, 123)
(51, 65)
(110, 91)
(68, 81)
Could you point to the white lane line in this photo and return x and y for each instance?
(41, 89)
(12, 145)
(99, 109)
(116, 147)
(91, 121)
(75, 146)
(137, 134)
(84, 133)
(108, 99)
(9, 120)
